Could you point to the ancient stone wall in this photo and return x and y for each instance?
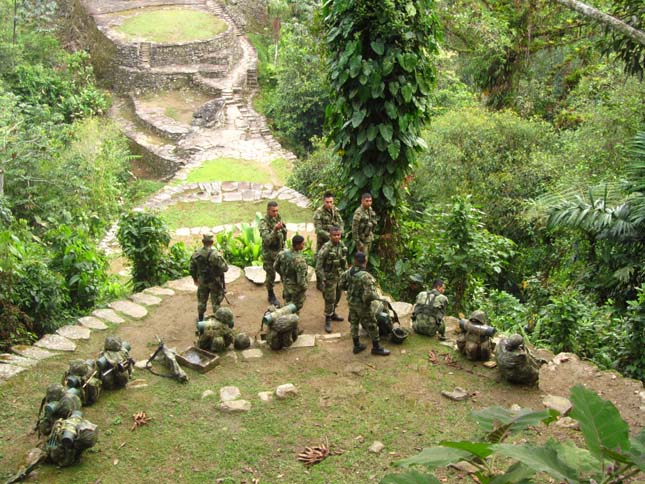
(224, 46)
(248, 15)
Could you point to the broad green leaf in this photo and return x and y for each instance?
(372, 131)
(388, 65)
(600, 422)
(421, 143)
(580, 459)
(362, 136)
(410, 10)
(491, 418)
(368, 171)
(407, 61)
(541, 459)
(410, 477)
(378, 47)
(480, 449)
(393, 86)
(355, 65)
(388, 191)
(407, 92)
(433, 457)
(358, 117)
(386, 131)
(394, 148)
(390, 109)
(518, 473)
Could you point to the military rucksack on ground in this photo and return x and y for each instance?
(59, 402)
(69, 438)
(83, 375)
(474, 339)
(214, 335)
(283, 331)
(427, 315)
(114, 363)
(515, 362)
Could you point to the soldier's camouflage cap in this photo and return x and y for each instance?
(207, 238)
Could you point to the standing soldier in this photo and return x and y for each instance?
(325, 218)
(292, 267)
(274, 233)
(361, 290)
(429, 310)
(207, 268)
(331, 263)
(363, 225)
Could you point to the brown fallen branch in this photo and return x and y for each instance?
(140, 419)
(432, 357)
(313, 455)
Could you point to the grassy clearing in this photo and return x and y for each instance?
(171, 25)
(231, 169)
(178, 105)
(208, 214)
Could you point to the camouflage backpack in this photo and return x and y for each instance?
(114, 363)
(205, 271)
(59, 402)
(355, 286)
(83, 375)
(69, 438)
(515, 362)
(283, 331)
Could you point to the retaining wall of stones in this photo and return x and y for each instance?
(248, 14)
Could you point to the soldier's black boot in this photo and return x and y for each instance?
(272, 299)
(200, 317)
(336, 317)
(358, 347)
(377, 349)
(327, 324)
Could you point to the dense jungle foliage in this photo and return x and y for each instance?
(66, 172)
(528, 200)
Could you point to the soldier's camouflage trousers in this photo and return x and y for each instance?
(216, 294)
(359, 315)
(268, 259)
(331, 295)
(294, 294)
(428, 326)
(365, 248)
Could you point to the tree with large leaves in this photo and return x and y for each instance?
(382, 73)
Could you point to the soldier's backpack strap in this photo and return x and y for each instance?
(389, 306)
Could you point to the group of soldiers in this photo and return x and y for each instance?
(333, 276)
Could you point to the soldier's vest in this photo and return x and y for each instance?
(333, 265)
(355, 287)
(69, 438)
(204, 268)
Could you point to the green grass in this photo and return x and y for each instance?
(282, 168)
(141, 189)
(209, 214)
(172, 25)
(230, 169)
(178, 105)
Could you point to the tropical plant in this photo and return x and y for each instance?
(382, 74)
(243, 249)
(610, 456)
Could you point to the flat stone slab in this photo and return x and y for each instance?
(235, 406)
(257, 275)
(146, 299)
(403, 309)
(230, 393)
(55, 342)
(252, 354)
(183, 232)
(7, 371)
(32, 352)
(286, 391)
(183, 285)
(108, 315)
(16, 360)
(232, 274)
(159, 291)
(458, 394)
(90, 322)
(560, 404)
(74, 331)
(304, 341)
(376, 447)
(207, 393)
(331, 336)
(129, 309)
(265, 396)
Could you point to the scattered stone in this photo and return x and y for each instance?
(159, 291)
(376, 447)
(403, 309)
(255, 274)
(265, 396)
(232, 274)
(228, 394)
(464, 466)
(331, 336)
(568, 423)
(232, 355)
(285, 391)
(74, 331)
(561, 404)
(55, 342)
(311, 274)
(207, 393)
(146, 299)
(448, 344)
(31, 352)
(252, 354)
(8, 371)
(515, 408)
(304, 341)
(183, 285)
(16, 360)
(91, 322)
(564, 357)
(490, 364)
(108, 315)
(135, 385)
(183, 232)
(129, 309)
(141, 364)
(458, 394)
(642, 395)
(235, 406)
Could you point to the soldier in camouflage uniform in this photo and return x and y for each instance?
(361, 290)
(515, 362)
(429, 310)
(292, 267)
(207, 268)
(331, 262)
(274, 234)
(217, 334)
(325, 218)
(474, 339)
(363, 225)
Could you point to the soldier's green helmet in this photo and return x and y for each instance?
(225, 315)
(514, 342)
(479, 316)
(218, 345)
(398, 335)
(113, 343)
(55, 392)
(242, 341)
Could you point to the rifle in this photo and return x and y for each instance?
(119, 366)
(222, 279)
